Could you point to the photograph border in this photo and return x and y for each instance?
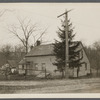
(49, 1)
(69, 96)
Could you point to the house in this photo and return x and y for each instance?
(41, 59)
(38, 59)
(84, 68)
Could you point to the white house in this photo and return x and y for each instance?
(42, 58)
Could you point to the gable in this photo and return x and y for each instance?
(12, 63)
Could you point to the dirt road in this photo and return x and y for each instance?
(91, 85)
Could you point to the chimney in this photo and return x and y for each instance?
(38, 43)
(31, 47)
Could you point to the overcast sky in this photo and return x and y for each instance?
(85, 18)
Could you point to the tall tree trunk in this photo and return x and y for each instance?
(77, 72)
(26, 49)
(45, 73)
(62, 73)
(6, 76)
(97, 72)
(26, 46)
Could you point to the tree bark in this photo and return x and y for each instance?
(62, 73)
(97, 72)
(77, 72)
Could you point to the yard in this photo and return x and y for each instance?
(91, 85)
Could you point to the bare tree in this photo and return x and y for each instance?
(97, 55)
(40, 37)
(19, 52)
(6, 52)
(4, 11)
(5, 55)
(23, 31)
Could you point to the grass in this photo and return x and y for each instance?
(48, 86)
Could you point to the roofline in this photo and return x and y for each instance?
(43, 45)
(85, 52)
(10, 64)
(40, 55)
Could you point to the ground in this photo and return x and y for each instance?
(91, 85)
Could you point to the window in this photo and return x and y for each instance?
(85, 66)
(28, 63)
(22, 66)
(36, 66)
(43, 66)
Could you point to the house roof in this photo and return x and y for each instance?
(12, 63)
(41, 50)
(45, 50)
(22, 61)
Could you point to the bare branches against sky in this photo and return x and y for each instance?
(85, 18)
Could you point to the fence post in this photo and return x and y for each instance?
(45, 73)
(25, 67)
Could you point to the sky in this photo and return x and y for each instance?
(84, 16)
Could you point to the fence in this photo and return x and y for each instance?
(95, 72)
(29, 74)
(36, 74)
